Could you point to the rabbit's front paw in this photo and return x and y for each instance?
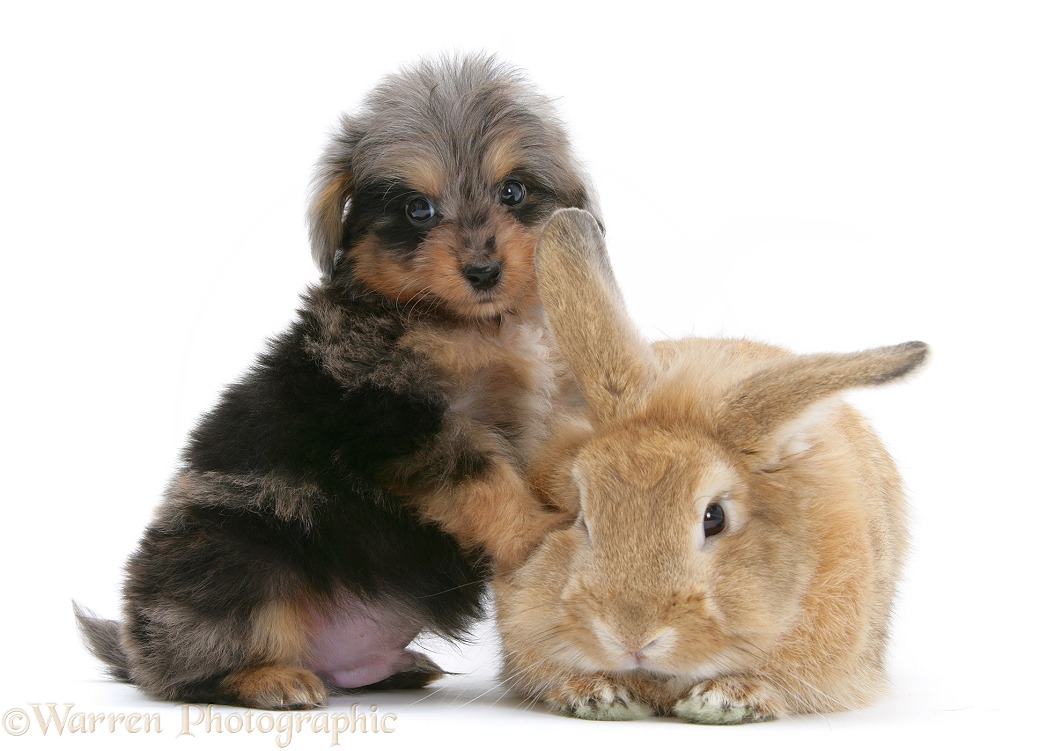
(594, 697)
(725, 701)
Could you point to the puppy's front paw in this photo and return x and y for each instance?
(726, 701)
(276, 687)
(594, 697)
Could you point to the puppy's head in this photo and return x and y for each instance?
(435, 192)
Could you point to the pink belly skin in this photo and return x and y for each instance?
(356, 644)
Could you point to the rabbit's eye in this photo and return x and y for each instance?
(715, 520)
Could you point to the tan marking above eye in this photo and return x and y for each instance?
(501, 160)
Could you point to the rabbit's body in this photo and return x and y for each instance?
(740, 532)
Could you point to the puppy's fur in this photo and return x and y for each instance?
(350, 490)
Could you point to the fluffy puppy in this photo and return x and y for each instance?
(351, 490)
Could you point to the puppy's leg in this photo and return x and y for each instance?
(421, 672)
(467, 480)
(277, 645)
(248, 657)
(214, 607)
(275, 687)
(494, 509)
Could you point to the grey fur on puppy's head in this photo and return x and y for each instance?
(435, 190)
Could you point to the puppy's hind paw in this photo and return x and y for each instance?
(276, 687)
(594, 698)
(724, 702)
(419, 672)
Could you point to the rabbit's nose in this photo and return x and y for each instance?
(637, 646)
(649, 646)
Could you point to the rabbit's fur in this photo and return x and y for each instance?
(633, 609)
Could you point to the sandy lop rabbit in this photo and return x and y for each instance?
(740, 530)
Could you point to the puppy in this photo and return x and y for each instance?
(354, 487)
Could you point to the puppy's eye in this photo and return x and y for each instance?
(512, 193)
(420, 210)
(715, 520)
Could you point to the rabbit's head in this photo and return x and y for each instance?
(718, 477)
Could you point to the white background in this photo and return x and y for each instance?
(825, 176)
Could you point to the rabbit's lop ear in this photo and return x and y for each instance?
(332, 188)
(612, 361)
(769, 414)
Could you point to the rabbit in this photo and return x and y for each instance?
(739, 533)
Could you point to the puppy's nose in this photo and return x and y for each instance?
(483, 276)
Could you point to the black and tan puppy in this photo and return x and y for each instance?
(350, 491)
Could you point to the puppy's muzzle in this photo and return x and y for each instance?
(483, 276)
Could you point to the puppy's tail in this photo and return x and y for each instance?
(102, 637)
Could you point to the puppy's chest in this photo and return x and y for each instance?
(506, 378)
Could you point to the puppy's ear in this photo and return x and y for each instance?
(332, 189)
